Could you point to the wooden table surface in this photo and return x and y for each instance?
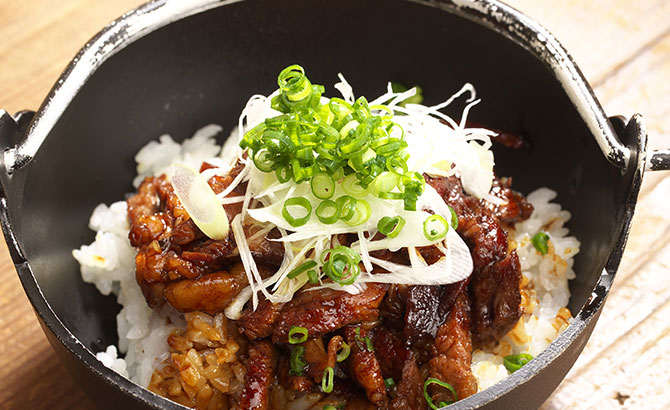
(622, 46)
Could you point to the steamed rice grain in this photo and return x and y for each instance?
(109, 264)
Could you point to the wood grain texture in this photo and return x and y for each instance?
(39, 37)
(623, 47)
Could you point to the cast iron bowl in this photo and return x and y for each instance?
(172, 66)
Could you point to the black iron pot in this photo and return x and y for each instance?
(172, 66)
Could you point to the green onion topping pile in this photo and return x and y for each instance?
(318, 167)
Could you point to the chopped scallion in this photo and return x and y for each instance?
(391, 226)
(363, 342)
(389, 383)
(341, 264)
(283, 174)
(297, 364)
(346, 206)
(313, 276)
(415, 99)
(343, 353)
(540, 242)
(351, 186)
(294, 83)
(292, 209)
(359, 339)
(297, 335)
(328, 212)
(264, 160)
(454, 218)
(435, 227)
(368, 344)
(514, 362)
(322, 142)
(362, 213)
(323, 186)
(327, 382)
(302, 268)
(439, 382)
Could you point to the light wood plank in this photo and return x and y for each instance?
(643, 87)
(632, 364)
(635, 314)
(39, 37)
(601, 35)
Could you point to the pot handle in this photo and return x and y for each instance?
(13, 127)
(659, 160)
(12, 130)
(656, 160)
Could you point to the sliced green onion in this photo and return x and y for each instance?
(283, 174)
(292, 216)
(415, 99)
(300, 269)
(397, 165)
(264, 160)
(368, 344)
(514, 362)
(347, 207)
(362, 213)
(391, 227)
(313, 276)
(277, 142)
(328, 212)
(540, 242)
(412, 184)
(352, 186)
(389, 383)
(327, 382)
(363, 343)
(344, 132)
(297, 335)
(383, 108)
(341, 264)
(439, 382)
(297, 364)
(359, 339)
(391, 195)
(294, 83)
(329, 407)
(300, 172)
(336, 139)
(435, 227)
(338, 174)
(339, 107)
(323, 186)
(343, 353)
(454, 217)
(397, 87)
(385, 182)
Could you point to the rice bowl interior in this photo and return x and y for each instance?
(144, 332)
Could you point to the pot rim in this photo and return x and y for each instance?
(492, 14)
(155, 14)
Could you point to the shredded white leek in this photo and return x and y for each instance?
(200, 202)
(437, 144)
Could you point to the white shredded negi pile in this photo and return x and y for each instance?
(109, 264)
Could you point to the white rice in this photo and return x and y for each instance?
(544, 288)
(109, 263)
